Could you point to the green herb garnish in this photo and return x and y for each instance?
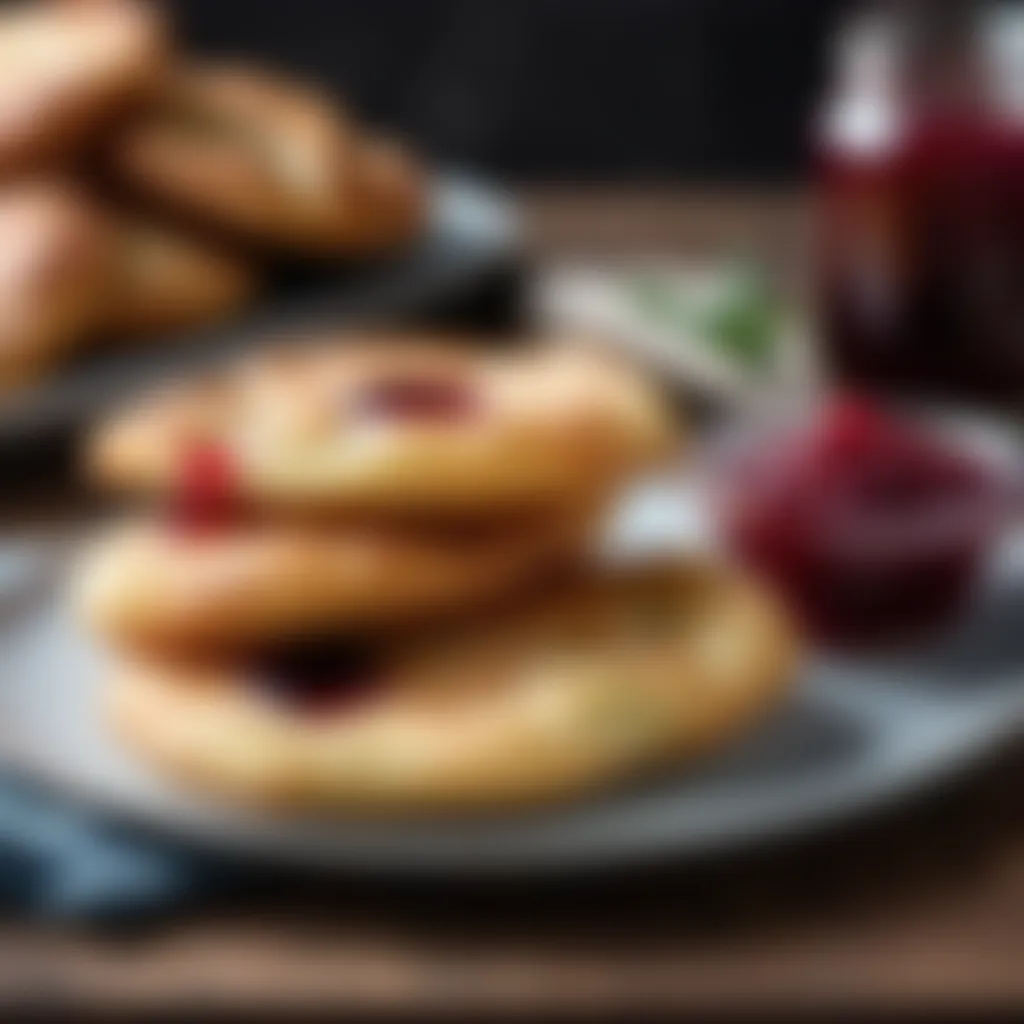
(741, 318)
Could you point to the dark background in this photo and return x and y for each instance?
(649, 90)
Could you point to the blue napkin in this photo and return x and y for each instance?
(57, 861)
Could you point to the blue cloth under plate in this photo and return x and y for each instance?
(59, 861)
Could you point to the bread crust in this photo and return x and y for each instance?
(167, 278)
(67, 68)
(149, 585)
(54, 272)
(578, 691)
(545, 427)
(269, 160)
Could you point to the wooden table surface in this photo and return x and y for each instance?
(919, 906)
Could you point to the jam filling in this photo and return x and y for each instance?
(871, 527)
(319, 676)
(428, 399)
(206, 498)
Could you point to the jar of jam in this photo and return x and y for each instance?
(872, 527)
(920, 216)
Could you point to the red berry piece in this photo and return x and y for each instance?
(206, 498)
(429, 399)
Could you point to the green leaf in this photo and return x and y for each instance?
(741, 319)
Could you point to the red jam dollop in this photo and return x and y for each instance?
(871, 528)
(428, 399)
(206, 497)
(318, 676)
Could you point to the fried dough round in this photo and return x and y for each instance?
(67, 67)
(589, 686)
(55, 266)
(149, 585)
(269, 160)
(399, 424)
(168, 279)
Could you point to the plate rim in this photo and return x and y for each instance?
(225, 835)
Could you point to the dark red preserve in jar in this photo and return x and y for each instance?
(920, 214)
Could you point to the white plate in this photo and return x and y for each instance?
(853, 735)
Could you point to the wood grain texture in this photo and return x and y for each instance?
(919, 907)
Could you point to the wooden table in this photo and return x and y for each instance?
(920, 906)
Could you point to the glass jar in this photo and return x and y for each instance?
(920, 172)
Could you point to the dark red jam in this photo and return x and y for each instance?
(872, 529)
(319, 676)
(920, 212)
(429, 399)
(206, 497)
